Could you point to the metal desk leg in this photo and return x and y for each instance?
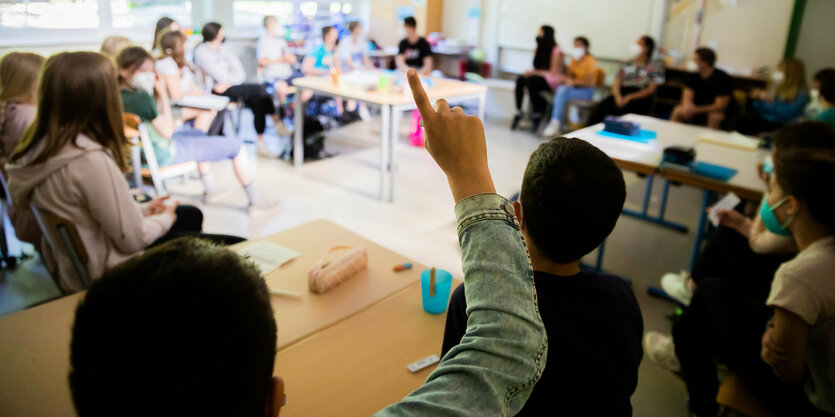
(700, 230)
(298, 135)
(659, 219)
(482, 106)
(384, 149)
(392, 165)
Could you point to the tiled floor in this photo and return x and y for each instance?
(420, 224)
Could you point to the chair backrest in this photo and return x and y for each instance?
(151, 158)
(600, 79)
(62, 237)
(132, 122)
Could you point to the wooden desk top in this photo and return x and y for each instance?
(645, 158)
(443, 88)
(359, 366)
(34, 343)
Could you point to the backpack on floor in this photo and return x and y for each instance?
(314, 140)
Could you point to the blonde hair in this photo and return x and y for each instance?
(19, 72)
(112, 45)
(794, 79)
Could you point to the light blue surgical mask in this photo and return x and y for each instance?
(770, 219)
(768, 165)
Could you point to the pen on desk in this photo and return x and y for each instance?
(432, 282)
(283, 293)
(402, 267)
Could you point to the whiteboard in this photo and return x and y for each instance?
(610, 25)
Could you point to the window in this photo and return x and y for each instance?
(50, 14)
(251, 12)
(144, 13)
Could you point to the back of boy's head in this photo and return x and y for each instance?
(823, 74)
(707, 56)
(827, 90)
(572, 196)
(186, 329)
(804, 135)
(410, 22)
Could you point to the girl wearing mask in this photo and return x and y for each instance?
(770, 111)
(577, 84)
(18, 106)
(545, 75)
(634, 85)
(71, 164)
(782, 349)
(228, 78)
(138, 83)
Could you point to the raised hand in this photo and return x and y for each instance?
(456, 142)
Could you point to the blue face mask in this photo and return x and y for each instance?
(768, 165)
(770, 220)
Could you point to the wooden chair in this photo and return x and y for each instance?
(157, 173)
(61, 236)
(735, 395)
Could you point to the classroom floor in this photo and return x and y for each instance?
(420, 223)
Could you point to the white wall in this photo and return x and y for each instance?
(749, 36)
(816, 43)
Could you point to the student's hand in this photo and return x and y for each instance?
(221, 87)
(733, 219)
(456, 142)
(171, 210)
(159, 85)
(772, 354)
(157, 206)
(622, 101)
(764, 177)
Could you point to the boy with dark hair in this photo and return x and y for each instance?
(827, 98)
(187, 330)
(706, 98)
(816, 103)
(572, 196)
(414, 51)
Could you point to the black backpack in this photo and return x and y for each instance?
(314, 140)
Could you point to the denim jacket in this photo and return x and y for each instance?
(494, 368)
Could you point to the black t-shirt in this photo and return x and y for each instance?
(594, 328)
(415, 52)
(705, 91)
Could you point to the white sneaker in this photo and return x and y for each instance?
(264, 207)
(365, 115)
(661, 350)
(676, 286)
(282, 130)
(263, 150)
(552, 129)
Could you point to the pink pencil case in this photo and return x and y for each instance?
(337, 266)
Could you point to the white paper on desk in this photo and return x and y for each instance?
(733, 140)
(268, 256)
(728, 202)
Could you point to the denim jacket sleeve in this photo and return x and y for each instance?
(502, 355)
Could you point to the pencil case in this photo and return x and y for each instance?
(336, 267)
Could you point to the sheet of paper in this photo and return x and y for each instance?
(268, 256)
(728, 202)
(732, 140)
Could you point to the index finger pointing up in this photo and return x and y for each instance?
(421, 100)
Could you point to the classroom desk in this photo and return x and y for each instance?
(391, 104)
(645, 159)
(359, 366)
(34, 343)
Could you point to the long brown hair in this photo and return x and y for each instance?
(794, 80)
(173, 44)
(19, 72)
(78, 94)
(131, 58)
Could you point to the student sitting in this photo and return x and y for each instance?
(112, 45)
(275, 60)
(129, 326)
(788, 368)
(593, 320)
(180, 81)
(323, 61)
(227, 73)
(577, 84)
(164, 25)
(827, 99)
(19, 73)
(71, 164)
(707, 97)
(353, 49)
(815, 106)
(635, 84)
(138, 83)
(547, 68)
(786, 105)
(414, 51)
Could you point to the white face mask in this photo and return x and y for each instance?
(692, 66)
(778, 76)
(636, 49)
(144, 81)
(577, 53)
(814, 95)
